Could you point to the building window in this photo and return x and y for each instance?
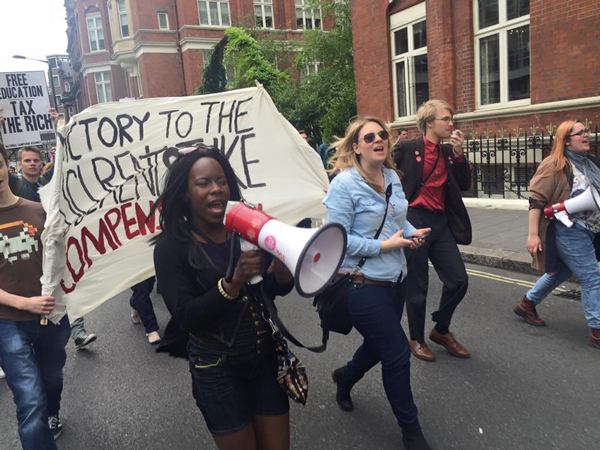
(307, 19)
(67, 87)
(263, 10)
(70, 111)
(55, 81)
(103, 89)
(58, 101)
(95, 33)
(163, 21)
(214, 13)
(502, 51)
(309, 69)
(409, 60)
(53, 63)
(123, 24)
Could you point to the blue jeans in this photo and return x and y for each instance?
(140, 301)
(575, 248)
(78, 329)
(33, 357)
(375, 312)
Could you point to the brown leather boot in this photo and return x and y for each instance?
(595, 337)
(526, 309)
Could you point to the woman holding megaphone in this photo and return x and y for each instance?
(366, 197)
(232, 354)
(558, 249)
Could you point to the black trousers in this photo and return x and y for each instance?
(441, 249)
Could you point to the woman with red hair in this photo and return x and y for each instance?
(558, 250)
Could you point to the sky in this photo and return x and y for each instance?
(32, 28)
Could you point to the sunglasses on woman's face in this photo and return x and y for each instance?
(370, 137)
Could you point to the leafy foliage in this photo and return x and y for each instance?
(214, 76)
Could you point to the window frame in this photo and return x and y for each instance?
(219, 6)
(95, 16)
(67, 86)
(408, 18)
(166, 15)
(58, 99)
(500, 29)
(102, 84)
(263, 4)
(306, 10)
(57, 84)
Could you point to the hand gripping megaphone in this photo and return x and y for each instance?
(313, 256)
(588, 201)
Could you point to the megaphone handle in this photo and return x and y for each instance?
(246, 246)
(564, 218)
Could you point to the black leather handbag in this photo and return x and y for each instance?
(332, 302)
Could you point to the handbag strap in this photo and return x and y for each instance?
(388, 194)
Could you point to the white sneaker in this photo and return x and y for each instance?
(135, 317)
(2, 374)
(153, 338)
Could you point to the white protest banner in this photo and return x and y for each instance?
(109, 172)
(27, 121)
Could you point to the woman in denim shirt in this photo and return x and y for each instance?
(232, 354)
(356, 199)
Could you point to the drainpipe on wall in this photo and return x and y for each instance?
(178, 43)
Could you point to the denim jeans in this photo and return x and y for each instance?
(78, 329)
(140, 301)
(375, 312)
(33, 357)
(575, 248)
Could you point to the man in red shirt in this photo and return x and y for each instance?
(434, 176)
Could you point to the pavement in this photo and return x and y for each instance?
(524, 388)
(499, 237)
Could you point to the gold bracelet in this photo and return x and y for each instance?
(224, 292)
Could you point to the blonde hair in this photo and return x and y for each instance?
(557, 154)
(345, 157)
(427, 111)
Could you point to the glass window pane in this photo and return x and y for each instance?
(518, 63)
(318, 18)
(225, 13)
(516, 8)
(489, 61)
(109, 97)
(124, 30)
(162, 20)
(98, 77)
(299, 21)
(101, 40)
(90, 23)
(401, 41)
(421, 81)
(269, 16)
(203, 12)
(488, 13)
(214, 13)
(258, 15)
(419, 35)
(401, 89)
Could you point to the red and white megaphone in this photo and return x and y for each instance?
(313, 256)
(588, 201)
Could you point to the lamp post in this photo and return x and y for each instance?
(49, 75)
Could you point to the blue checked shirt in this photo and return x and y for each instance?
(352, 203)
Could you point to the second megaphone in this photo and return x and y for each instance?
(588, 201)
(313, 256)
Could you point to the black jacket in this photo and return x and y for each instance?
(459, 179)
(192, 296)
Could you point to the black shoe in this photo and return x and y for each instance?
(413, 439)
(84, 341)
(342, 394)
(55, 426)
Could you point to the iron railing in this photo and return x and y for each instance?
(503, 164)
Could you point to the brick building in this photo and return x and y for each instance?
(61, 77)
(158, 48)
(509, 67)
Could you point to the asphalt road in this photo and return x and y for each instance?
(524, 388)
